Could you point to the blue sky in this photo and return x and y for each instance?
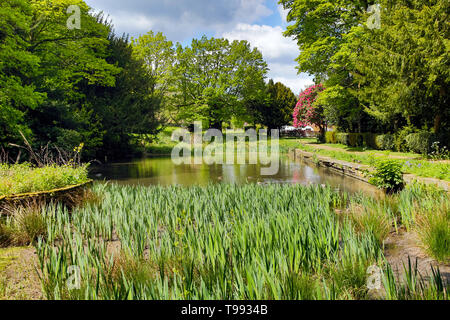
(261, 22)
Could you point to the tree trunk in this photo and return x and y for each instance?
(437, 123)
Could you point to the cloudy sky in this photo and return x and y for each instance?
(261, 22)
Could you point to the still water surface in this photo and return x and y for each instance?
(162, 171)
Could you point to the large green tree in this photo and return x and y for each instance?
(321, 29)
(214, 77)
(403, 68)
(274, 107)
(70, 85)
(129, 108)
(18, 66)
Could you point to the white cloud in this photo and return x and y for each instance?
(180, 19)
(279, 52)
(269, 40)
(283, 13)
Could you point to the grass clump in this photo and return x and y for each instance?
(372, 218)
(24, 178)
(24, 225)
(433, 228)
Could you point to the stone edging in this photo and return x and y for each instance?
(42, 194)
(356, 170)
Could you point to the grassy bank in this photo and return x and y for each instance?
(413, 165)
(235, 242)
(24, 178)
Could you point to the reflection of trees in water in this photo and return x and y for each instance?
(163, 171)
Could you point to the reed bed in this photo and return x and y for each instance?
(215, 242)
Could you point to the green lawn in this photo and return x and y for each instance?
(414, 164)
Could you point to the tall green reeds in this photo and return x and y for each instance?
(215, 242)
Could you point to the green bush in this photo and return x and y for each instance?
(355, 140)
(384, 142)
(352, 139)
(400, 136)
(342, 138)
(388, 175)
(68, 139)
(419, 142)
(330, 137)
(433, 227)
(369, 140)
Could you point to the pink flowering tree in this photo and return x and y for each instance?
(307, 112)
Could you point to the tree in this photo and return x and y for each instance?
(274, 107)
(403, 68)
(320, 28)
(18, 94)
(128, 108)
(158, 55)
(70, 61)
(70, 86)
(308, 111)
(214, 77)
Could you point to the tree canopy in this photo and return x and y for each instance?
(377, 78)
(56, 82)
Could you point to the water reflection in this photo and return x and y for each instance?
(162, 171)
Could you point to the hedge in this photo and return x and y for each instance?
(330, 137)
(420, 142)
(354, 139)
(385, 142)
(415, 142)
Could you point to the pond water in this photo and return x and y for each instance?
(162, 171)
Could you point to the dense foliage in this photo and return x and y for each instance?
(272, 107)
(377, 79)
(69, 86)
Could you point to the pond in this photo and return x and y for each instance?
(162, 171)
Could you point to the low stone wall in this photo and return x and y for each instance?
(61, 194)
(356, 170)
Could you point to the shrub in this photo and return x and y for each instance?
(369, 140)
(342, 138)
(330, 137)
(438, 152)
(400, 137)
(419, 142)
(388, 176)
(68, 139)
(371, 218)
(25, 225)
(384, 142)
(355, 140)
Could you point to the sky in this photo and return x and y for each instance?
(261, 22)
